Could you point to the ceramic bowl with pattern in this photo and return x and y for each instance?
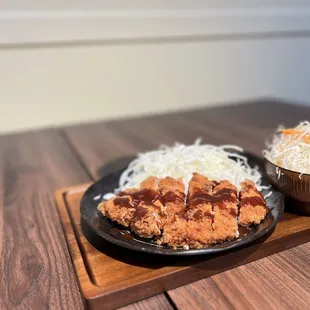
(294, 185)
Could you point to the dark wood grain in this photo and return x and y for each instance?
(103, 274)
(35, 267)
(248, 125)
(203, 294)
(158, 302)
(95, 270)
(280, 281)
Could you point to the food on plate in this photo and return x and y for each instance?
(173, 197)
(175, 233)
(148, 218)
(207, 213)
(225, 225)
(187, 196)
(225, 162)
(252, 209)
(290, 148)
(120, 209)
(200, 211)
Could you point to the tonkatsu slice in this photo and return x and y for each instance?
(200, 213)
(175, 232)
(120, 209)
(225, 206)
(148, 219)
(252, 204)
(173, 198)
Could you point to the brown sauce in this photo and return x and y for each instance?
(140, 213)
(226, 194)
(222, 206)
(253, 201)
(172, 198)
(233, 212)
(127, 235)
(115, 231)
(243, 230)
(122, 202)
(148, 196)
(199, 215)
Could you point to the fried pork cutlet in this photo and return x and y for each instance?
(252, 204)
(175, 233)
(199, 214)
(120, 209)
(173, 198)
(150, 214)
(225, 226)
(150, 183)
(172, 192)
(147, 219)
(158, 209)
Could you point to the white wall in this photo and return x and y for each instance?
(52, 84)
(49, 86)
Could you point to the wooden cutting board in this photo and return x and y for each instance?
(113, 277)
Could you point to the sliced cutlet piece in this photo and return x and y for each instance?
(175, 227)
(252, 204)
(225, 206)
(175, 233)
(173, 196)
(199, 213)
(148, 218)
(119, 209)
(150, 183)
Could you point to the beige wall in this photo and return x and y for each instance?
(55, 85)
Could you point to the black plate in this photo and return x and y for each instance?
(103, 228)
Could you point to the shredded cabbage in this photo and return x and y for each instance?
(180, 161)
(290, 148)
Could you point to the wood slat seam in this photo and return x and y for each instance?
(75, 153)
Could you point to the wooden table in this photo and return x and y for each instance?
(35, 266)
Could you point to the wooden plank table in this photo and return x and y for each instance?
(35, 265)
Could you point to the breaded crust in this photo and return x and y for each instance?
(200, 212)
(175, 226)
(201, 184)
(225, 225)
(150, 183)
(150, 214)
(173, 196)
(210, 214)
(147, 220)
(119, 209)
(252, 204)
(175, 233)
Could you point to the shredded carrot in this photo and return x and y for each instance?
(289, 142)
(306, 138)
(291, 131)
(290, 148)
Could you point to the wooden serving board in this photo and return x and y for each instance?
(114, 277)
